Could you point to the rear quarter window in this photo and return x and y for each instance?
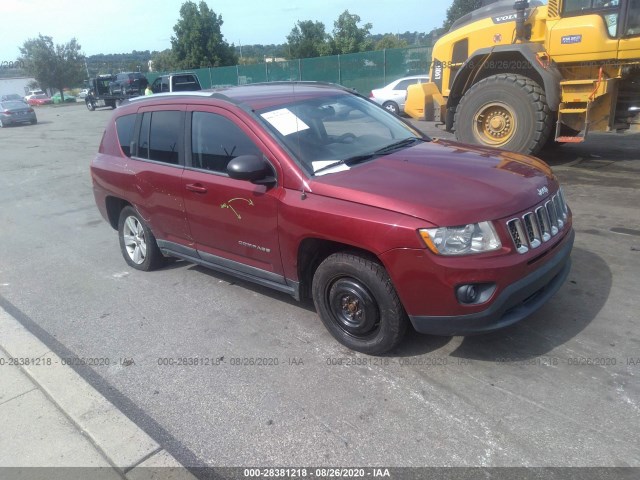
(125, 126)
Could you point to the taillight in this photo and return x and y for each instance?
(31, 110)
(370, 94)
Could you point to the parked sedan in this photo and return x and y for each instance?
(16, 111)
(68, 98)
(11, 97)
(393, 96)
(39, 100)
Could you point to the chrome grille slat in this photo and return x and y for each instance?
(559, 211)
(553, 217)
(544, 222)
(534, 228)
(518, 235)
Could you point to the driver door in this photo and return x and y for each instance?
(233, 222)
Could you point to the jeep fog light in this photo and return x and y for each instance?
(475, 293)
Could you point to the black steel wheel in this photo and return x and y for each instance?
(358, 304)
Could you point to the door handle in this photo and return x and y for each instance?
(196, 187)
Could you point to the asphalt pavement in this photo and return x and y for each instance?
(59, 426)
(214, 372)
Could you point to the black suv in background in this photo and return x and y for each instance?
(127, 83)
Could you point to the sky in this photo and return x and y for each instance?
(121, 26)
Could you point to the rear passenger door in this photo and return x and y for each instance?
(157, 183)
(233, 222)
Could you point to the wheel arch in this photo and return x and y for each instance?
(313, 251)
(114, 206)
(486, 62)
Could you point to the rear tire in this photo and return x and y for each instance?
(137, 243)
(392, 107)
(358, 304)
(506, 111)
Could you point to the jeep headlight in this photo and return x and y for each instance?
(461, 240)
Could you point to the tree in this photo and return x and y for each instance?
(163, 61)
(390, 41)
(459, 8)
(348, 37)
(198, 41)
(53, 66)
(308, 39)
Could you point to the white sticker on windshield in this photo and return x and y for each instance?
(285, 121)
(320, 164)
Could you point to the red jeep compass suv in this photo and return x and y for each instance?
(377, 223)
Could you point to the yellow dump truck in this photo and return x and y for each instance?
(525, 75)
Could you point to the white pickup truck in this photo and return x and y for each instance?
(176, 82)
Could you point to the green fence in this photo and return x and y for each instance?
(362, 71)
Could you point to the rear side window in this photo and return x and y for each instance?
(216, 140)
(185, 83)
(159, 137)
(125, 126)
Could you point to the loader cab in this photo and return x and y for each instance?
(622, 17)
(594, 30)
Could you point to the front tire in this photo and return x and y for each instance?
(506, 111)
(358, 304)
(137, 243)
(90, 105)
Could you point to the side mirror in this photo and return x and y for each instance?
(251, 168)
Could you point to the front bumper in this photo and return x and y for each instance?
(516, 302)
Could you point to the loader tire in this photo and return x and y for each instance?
(506, 111)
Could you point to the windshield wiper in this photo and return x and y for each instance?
(386, 150)
(331, 165)
(405, 142)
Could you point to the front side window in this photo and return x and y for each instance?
(216, 140)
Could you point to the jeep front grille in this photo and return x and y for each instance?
(534, 228)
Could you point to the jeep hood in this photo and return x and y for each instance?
(444, 183)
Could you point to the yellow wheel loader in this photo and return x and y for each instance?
(519, 77)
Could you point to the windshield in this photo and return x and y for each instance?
(337, 130)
